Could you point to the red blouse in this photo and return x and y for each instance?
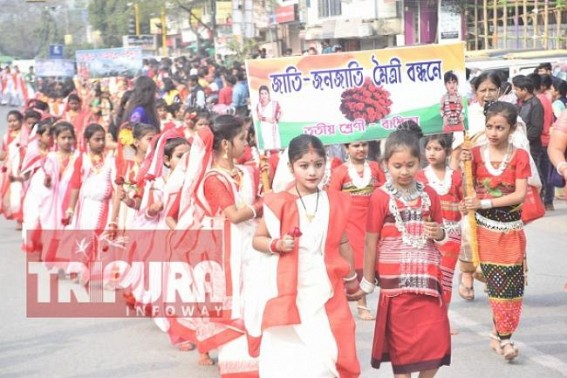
(490, 186)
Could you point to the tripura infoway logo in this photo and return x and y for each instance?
(82, 274)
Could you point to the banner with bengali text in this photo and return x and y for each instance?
(362, 95)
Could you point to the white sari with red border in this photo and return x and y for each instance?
(302, 325)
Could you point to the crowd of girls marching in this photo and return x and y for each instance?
(296, 256)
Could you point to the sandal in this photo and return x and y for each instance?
(495, 343)
(364, 313)
(467, 293)
(509, 350)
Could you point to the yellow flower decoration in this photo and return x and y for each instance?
(125, 137)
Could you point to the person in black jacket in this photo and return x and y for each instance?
(531, 112)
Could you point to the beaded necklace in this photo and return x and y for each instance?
(358, 181)
(405, 195)
(417, 238)
(441, 186)
(503, 164)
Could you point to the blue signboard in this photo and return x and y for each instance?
(55, 51)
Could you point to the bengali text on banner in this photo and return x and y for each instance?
(361, 95)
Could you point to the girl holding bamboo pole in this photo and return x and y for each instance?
(500, 173)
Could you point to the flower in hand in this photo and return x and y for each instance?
(296, 232)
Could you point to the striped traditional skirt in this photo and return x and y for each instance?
(502, 251)
(412, 331)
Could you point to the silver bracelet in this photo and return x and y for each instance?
(253, 210)
(365, 286)
(486, 204)
(351, 278)
(561, 165)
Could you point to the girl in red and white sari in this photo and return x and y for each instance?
(153, 178)
(12, 154)
(92, 186)
(35, 192)
(132, 149)
(90, 197)
(303, 325)
(228, 196)
(59, 167)
(183, 214)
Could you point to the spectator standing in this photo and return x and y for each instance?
(225, 94)
(544, 164)
(531, 112)
(240, 95)
(196, 96)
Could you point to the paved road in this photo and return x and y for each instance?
(136, 348)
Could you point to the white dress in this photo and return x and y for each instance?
(270, 130)
(307, 349)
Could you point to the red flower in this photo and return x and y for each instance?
(368, 102)
(296, 232)
(119, 181)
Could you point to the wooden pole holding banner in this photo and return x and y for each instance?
(265, 175)
(469, 192)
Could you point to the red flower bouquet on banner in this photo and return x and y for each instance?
(369, 102)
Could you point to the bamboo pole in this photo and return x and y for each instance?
(525, 17)
(558, 27)
(265, 176)
(494, 25)
(536, 19)
(517, 24)
(485, 23)
(476, 24)
(505, 25)
(545, 24)
(469, 192)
